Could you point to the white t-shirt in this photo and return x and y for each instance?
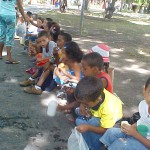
(51, 46)
(145, 116)
(33, 29)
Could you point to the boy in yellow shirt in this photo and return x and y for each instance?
(104, 110)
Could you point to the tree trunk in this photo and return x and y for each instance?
(110, 10)
(86, 5)
(148, 8)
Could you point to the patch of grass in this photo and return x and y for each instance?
(118, 31)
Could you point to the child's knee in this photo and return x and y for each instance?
(113, 131)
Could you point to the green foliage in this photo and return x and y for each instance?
(140, 2)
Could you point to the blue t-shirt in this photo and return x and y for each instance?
(8, 7)
(51, 47)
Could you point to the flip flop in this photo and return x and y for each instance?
(11, 62)
(1, 57)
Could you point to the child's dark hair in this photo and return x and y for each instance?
(49, 25)
(73, 51)
(43, 33)
(67, 37)
(89, 88)
(49, 19)
(147, 83)
(55, 30)
(35, 16)
(29, 14)
(94, 60)
(41, 18)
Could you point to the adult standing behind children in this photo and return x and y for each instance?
(7, 26)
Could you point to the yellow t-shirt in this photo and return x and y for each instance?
(109, 111)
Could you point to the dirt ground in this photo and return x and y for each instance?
(23, 118)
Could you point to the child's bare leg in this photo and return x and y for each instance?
(35, 75)
(43, 77)
(30, 48)
(1, 48)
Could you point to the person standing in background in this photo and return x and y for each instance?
(7, 26)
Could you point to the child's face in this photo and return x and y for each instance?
(87, 70)
(31, 18)
(65, 58)
(45, 24)
(39, 22)
(147, 95)
(60, 41)
(46, 28)
(43, 41)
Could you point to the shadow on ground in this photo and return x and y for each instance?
(23, 119)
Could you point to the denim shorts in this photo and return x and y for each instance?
(115, 139)
(7, 29)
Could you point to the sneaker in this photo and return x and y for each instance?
(26, 82)
(32, 90)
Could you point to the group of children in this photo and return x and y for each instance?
(59, 60)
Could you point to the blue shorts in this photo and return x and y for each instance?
(7, 29)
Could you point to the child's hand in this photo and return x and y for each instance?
(39, 59)
(83, 128)
(128, 129)
(63, 71)
(64, 78)
(55, 51)
(73, 80)
(82, 110)
(61, 108)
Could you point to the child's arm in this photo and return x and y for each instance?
(56, 55)
(86, 127)
(105, 82)
(19, 3)
(35, 24)
(76, 72)
(39, 59)
(67, 106)
(131, 130)
(58, 74)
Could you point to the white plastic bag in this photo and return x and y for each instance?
(76, 141)
(21, 29)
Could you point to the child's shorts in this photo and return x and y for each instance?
(7, 29)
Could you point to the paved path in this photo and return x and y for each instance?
(23, 118)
